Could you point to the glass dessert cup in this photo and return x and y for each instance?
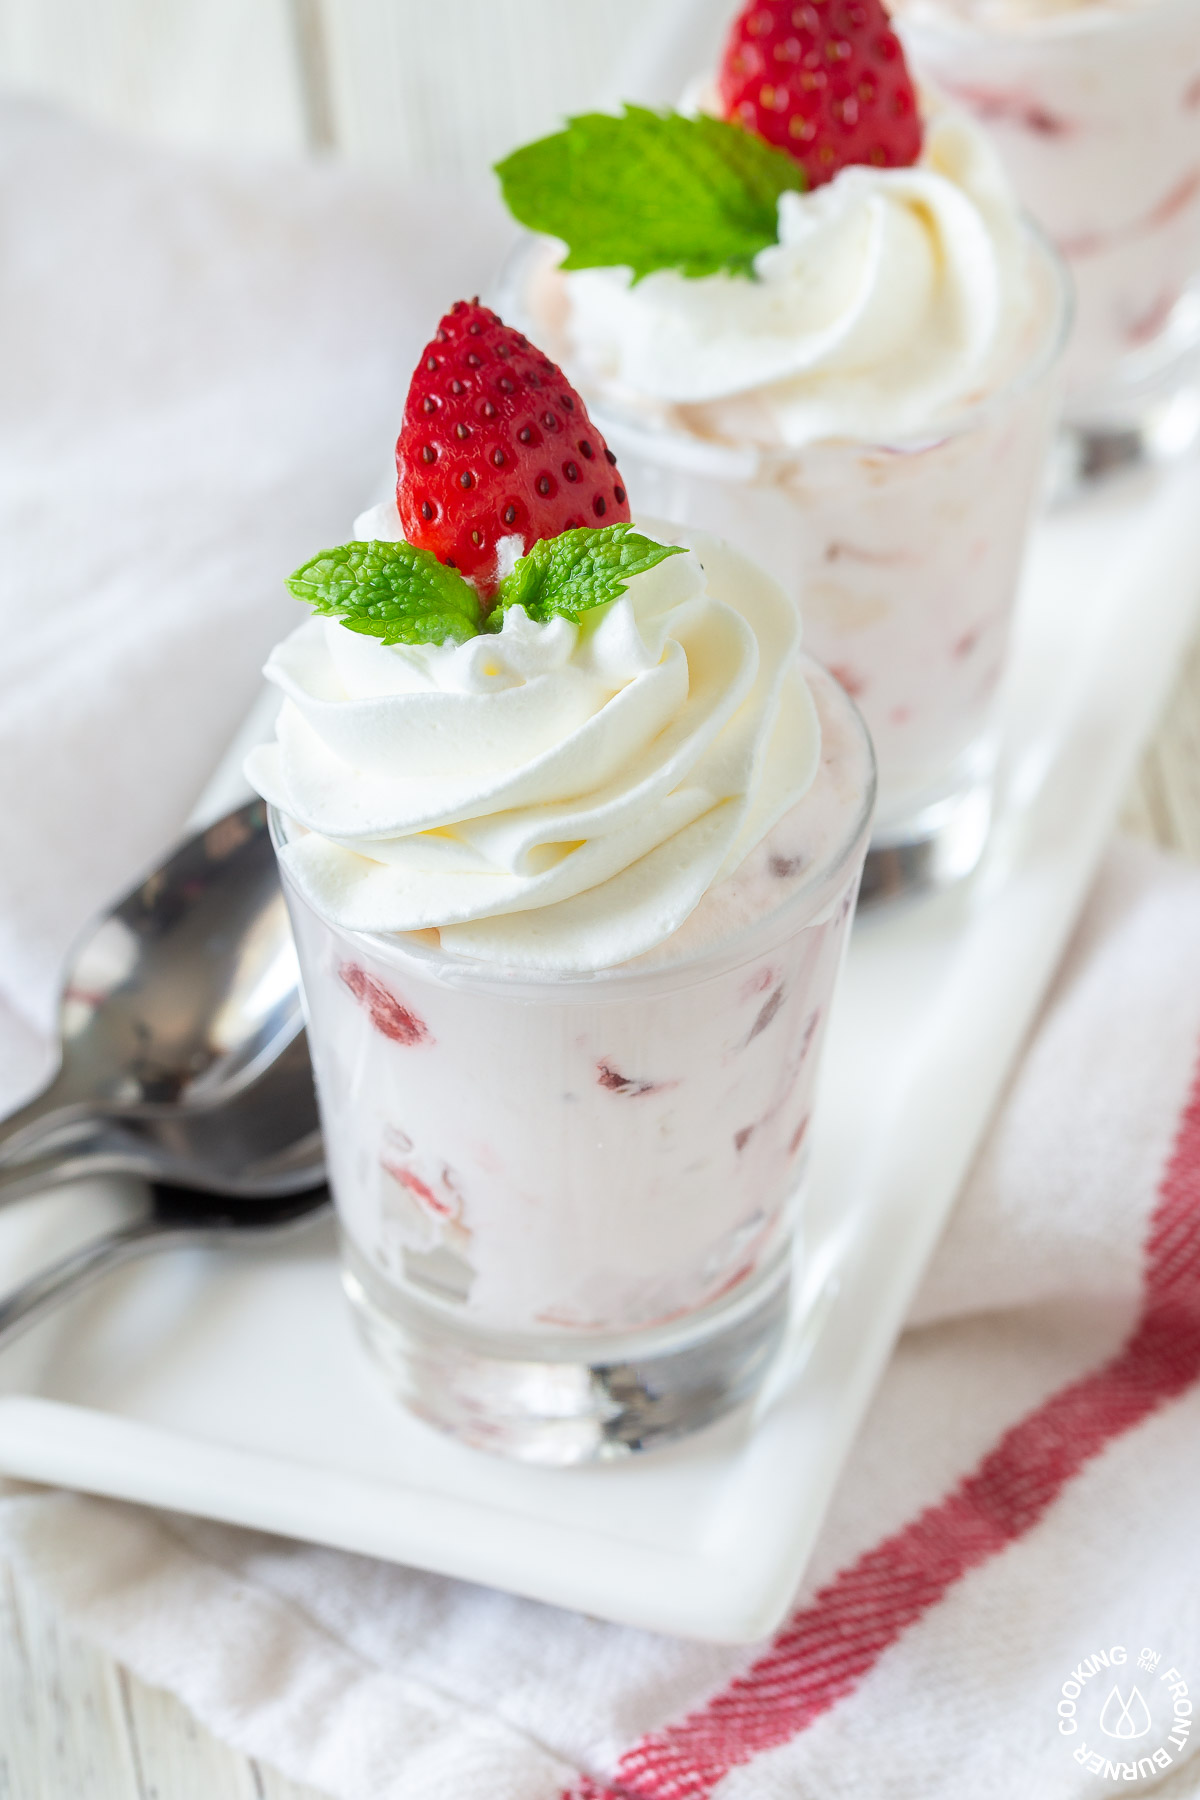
(569, 1204)
(1096, 114)
(904, 558)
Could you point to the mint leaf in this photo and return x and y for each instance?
(579, 569)
(390, 591)
(649, 190)
(403, 595)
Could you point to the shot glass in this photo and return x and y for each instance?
(904, 558)
(1096, 113)
(569, 1205)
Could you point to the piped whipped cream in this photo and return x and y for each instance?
(554, 796)
(892, 298)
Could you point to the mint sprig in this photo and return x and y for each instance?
(649, 190)
(566, 576)
(390, 591)
(404, 595)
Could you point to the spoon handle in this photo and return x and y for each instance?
(112, 1151)
(181, 1217)
(73, 1161)
(52, 1114)
(26, 1304)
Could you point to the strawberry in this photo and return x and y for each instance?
(496, 444)
(824, 80)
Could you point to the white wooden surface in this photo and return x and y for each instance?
(425, 88)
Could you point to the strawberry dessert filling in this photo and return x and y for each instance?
(1094, 107)
(570, 830)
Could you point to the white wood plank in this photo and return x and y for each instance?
(214, 73)
(74, 1726)
(419, 89)
(62, 1722)
(446, 90)
(273, 1786)
(177, 1759)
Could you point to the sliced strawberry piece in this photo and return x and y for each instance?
(496, 444)
(824, 80)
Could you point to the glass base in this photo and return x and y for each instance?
(556, 1402)
(1089, 451)
(934, 849)
(1148, 415)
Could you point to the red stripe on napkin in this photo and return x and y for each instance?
(829, 1645)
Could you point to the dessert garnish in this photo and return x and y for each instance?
(804, 89)
(651, 190)
(825, 81)
(506, 493)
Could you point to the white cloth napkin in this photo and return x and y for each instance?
(211, 365)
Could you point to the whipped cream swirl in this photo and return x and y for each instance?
(893, 297)
(555, 796)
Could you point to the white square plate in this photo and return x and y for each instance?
(232, 1385)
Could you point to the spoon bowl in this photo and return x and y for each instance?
(179, 997)
(263, 1142)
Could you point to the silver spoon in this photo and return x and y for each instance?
(177, 1217)
(264, 1140)
(178, 998)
